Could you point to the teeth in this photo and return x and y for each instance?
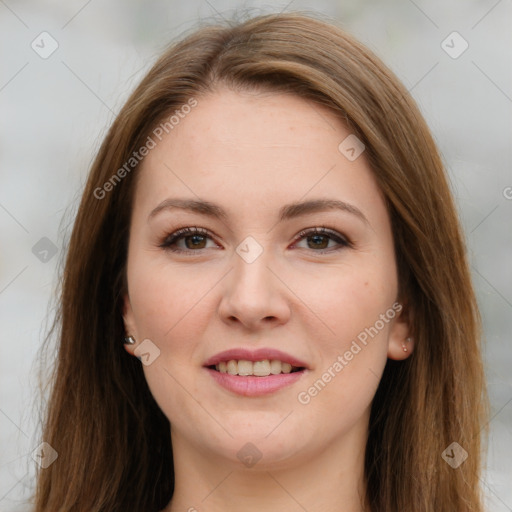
(232, 367)
(258, 368)
(245, 368)
(286, 367)
(275, 367)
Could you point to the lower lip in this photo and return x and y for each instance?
(255, 386)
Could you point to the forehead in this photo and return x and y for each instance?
(252, 150)
(250, 121)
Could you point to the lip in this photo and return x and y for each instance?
(255, 355)
(255, 386)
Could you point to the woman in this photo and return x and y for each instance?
(268, 231)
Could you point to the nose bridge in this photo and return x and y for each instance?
(252, 291)
(251, 271)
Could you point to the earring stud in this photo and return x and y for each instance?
(403, 344)
(129, 340)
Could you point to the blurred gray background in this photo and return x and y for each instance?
(60, 90)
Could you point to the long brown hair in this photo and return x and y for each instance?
(113, 441)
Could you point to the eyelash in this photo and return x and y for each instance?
(171, 239)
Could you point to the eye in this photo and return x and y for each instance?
(319, 238)
(194, 238)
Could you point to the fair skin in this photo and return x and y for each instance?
(252, 153)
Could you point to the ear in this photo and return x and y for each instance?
(129, 324)
(401, 343)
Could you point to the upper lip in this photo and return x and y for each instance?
(254, 355)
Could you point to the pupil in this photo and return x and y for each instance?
(316, 237)
(195, 237)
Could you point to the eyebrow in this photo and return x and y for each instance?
(287, 212)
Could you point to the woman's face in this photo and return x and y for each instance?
(256, 279)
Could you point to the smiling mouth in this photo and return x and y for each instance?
(264, 368)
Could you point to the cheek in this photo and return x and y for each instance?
(168, 310)
(355, 304)
(164, 298)
(349, 299)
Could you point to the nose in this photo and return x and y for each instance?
(254, 295)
